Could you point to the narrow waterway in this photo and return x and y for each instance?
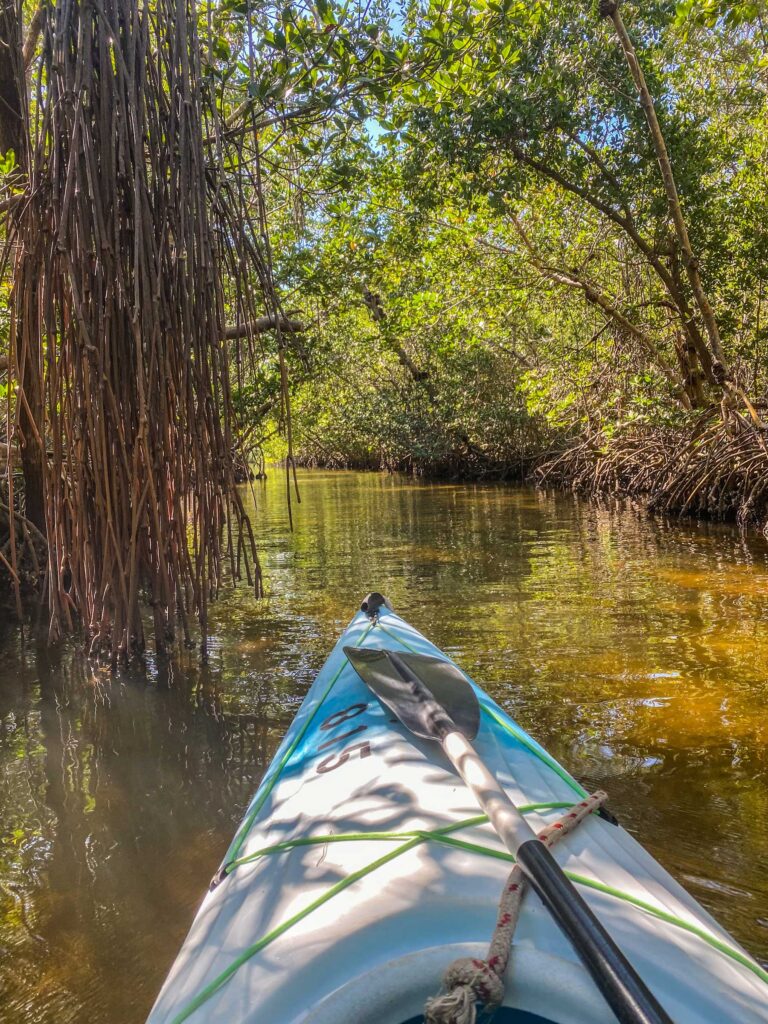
(635, 650)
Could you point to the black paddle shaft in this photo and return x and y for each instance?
(420, 690)
(623, 989)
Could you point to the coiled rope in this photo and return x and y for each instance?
(469, 982)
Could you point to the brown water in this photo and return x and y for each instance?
(636, 651)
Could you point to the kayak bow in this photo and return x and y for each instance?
(362, 868)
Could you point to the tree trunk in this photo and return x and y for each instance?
(30, 417)
(610, 9)
(689, 369)
(11, 120)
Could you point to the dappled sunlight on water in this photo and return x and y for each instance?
(634, 649)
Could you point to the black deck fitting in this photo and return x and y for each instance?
(374, 603)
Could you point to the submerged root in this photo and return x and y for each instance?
(707, 471)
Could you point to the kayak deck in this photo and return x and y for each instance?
(363, 867)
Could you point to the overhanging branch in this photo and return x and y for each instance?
(262, 324)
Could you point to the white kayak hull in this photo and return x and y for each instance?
(360, 872)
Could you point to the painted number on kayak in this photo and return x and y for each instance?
(343, 716)
(333, 722)
(337, 760)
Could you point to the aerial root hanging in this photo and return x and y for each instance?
(124, 419)
(23, 554)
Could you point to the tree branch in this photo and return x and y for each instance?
(10, 202)
(592, 154)
(262, 324)
(379, 316)
(626, 222)
(572, 279)
(623, 220)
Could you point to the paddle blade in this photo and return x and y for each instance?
(447, 690)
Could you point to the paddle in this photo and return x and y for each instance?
(434, 701)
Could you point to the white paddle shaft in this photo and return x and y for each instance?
(511, 826)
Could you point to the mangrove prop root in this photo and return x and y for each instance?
(24, 561)
(708, 470)
(130, 256)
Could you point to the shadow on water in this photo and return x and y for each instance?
(633, 649)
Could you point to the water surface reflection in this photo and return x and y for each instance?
(635, 650)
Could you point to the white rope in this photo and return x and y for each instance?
(468, 981)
